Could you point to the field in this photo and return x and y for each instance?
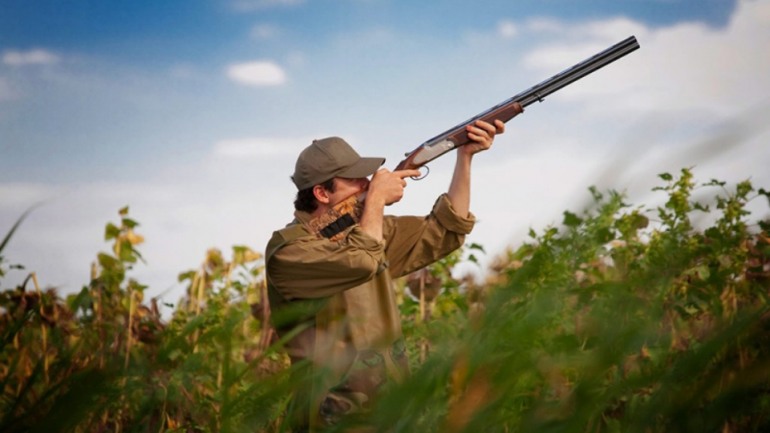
(621, 319)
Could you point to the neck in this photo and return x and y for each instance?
(326, 215)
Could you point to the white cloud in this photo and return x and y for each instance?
(259, 147)
(179, 219)
(31, 57)
(507, 29)
(264, 31)
(544, 25)
(257, 73)
(257, 5)
(686, 67)
(680, 101)
(609, 30)
(584, 41)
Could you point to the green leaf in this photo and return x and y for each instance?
(128, 222)
(701, 207)
(111, 231)
(571, 220)
(703, 272)
(14, 227)
(765, 193)
(640, 221)
(665, 176)
(765, 225)
(189, 275)
(604, 235)
(127, 252)
(476, 246)
(81, 300)
(107, 262)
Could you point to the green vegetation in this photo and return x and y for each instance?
(622, 319)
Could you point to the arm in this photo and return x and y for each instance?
(372, 216)
(312, 267)
(414, 242)
(386, 188)
(482, 134)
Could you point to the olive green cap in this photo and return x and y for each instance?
(328, 158)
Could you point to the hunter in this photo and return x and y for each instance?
(330, 271)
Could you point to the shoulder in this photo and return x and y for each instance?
(284, 236)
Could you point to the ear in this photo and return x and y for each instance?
(321, 194)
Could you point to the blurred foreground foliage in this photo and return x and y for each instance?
(621, 319)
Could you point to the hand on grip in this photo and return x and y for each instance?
(388, 186)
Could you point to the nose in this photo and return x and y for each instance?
(363, 183)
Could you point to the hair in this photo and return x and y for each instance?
(306, 201)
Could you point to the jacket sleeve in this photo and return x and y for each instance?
(415, 242)
(309, 267)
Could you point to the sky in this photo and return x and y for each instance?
(192, 113)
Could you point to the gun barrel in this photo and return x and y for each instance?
(539, 91)
(506, 110)
(580, 70)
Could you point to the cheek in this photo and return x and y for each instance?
(347, 191)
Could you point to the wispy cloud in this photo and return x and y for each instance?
(686, 67)
(507, 29)
(544, 25)
(257, 73)
(31, 57)
(260, 147)
(256, 5)
(264, 31)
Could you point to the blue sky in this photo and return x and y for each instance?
(192, 112)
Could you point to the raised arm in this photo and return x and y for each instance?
(482, 135)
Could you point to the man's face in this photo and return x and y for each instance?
(344, 188)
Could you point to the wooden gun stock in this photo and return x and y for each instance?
(457, 137)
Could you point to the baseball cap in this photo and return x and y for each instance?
(331, 157)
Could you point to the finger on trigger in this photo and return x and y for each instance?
(408, 173)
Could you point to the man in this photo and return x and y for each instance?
(330, 273)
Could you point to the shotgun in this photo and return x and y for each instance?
(508, 109)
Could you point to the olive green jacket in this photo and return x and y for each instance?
(346, 286)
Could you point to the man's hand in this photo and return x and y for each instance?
(387, 187)
(482, 135)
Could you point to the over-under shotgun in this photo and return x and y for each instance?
(508, 109)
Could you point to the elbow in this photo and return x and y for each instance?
(365, 270)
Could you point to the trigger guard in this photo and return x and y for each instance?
(422, 176)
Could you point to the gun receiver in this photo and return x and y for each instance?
(508, 109)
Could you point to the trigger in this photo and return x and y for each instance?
(422, 176)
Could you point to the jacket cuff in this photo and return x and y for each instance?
(375, 248)
(449, 219)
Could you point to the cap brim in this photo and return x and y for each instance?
(363, 168)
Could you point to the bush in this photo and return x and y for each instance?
(621, 319)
